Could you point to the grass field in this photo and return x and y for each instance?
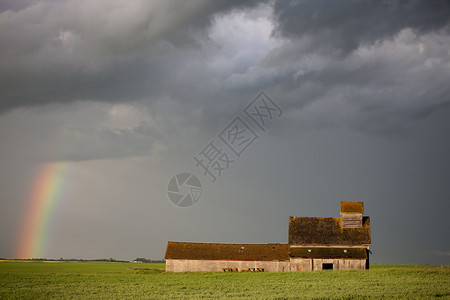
(93, 280)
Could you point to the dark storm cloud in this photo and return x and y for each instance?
(380, 88)
(342, 26)
(62, 51)
(194, 64)
(14, 5)
(127, 92)
(92, 68)
(375, 66)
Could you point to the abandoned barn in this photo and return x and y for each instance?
(339, 243)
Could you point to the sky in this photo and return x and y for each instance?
(103, 102)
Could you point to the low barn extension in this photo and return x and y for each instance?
(313, 244)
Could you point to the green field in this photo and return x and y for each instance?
(94, 280)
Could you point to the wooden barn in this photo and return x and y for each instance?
(340, 243)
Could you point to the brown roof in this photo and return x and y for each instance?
(305, 252)
(352, 207)
(214, 251)
(326, 231)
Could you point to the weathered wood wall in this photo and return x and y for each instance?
(295, 265)
(184, 265)
(338, 264)
(351, 220)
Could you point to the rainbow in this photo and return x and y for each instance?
(43, 196)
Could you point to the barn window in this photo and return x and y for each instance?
(327, 266)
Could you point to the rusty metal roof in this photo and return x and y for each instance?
(327, 231)
(352, 207)
(216, 251)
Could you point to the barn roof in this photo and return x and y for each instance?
(216, 251)
(327, 231)
(330, 253)
(352, 207)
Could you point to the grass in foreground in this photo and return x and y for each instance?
(93, 280)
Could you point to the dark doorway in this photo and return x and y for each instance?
(327, 266)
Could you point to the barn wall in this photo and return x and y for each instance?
(295, 265)
(303, 263)
(338, 264)
(352, 264)
(182, 265)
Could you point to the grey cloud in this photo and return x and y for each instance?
(377, 88)
(179, 88)
(80, 132)
(14, 5)
(82, 50)
(366, 118)
(78, 52)
(342, 26)
(108, 143)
